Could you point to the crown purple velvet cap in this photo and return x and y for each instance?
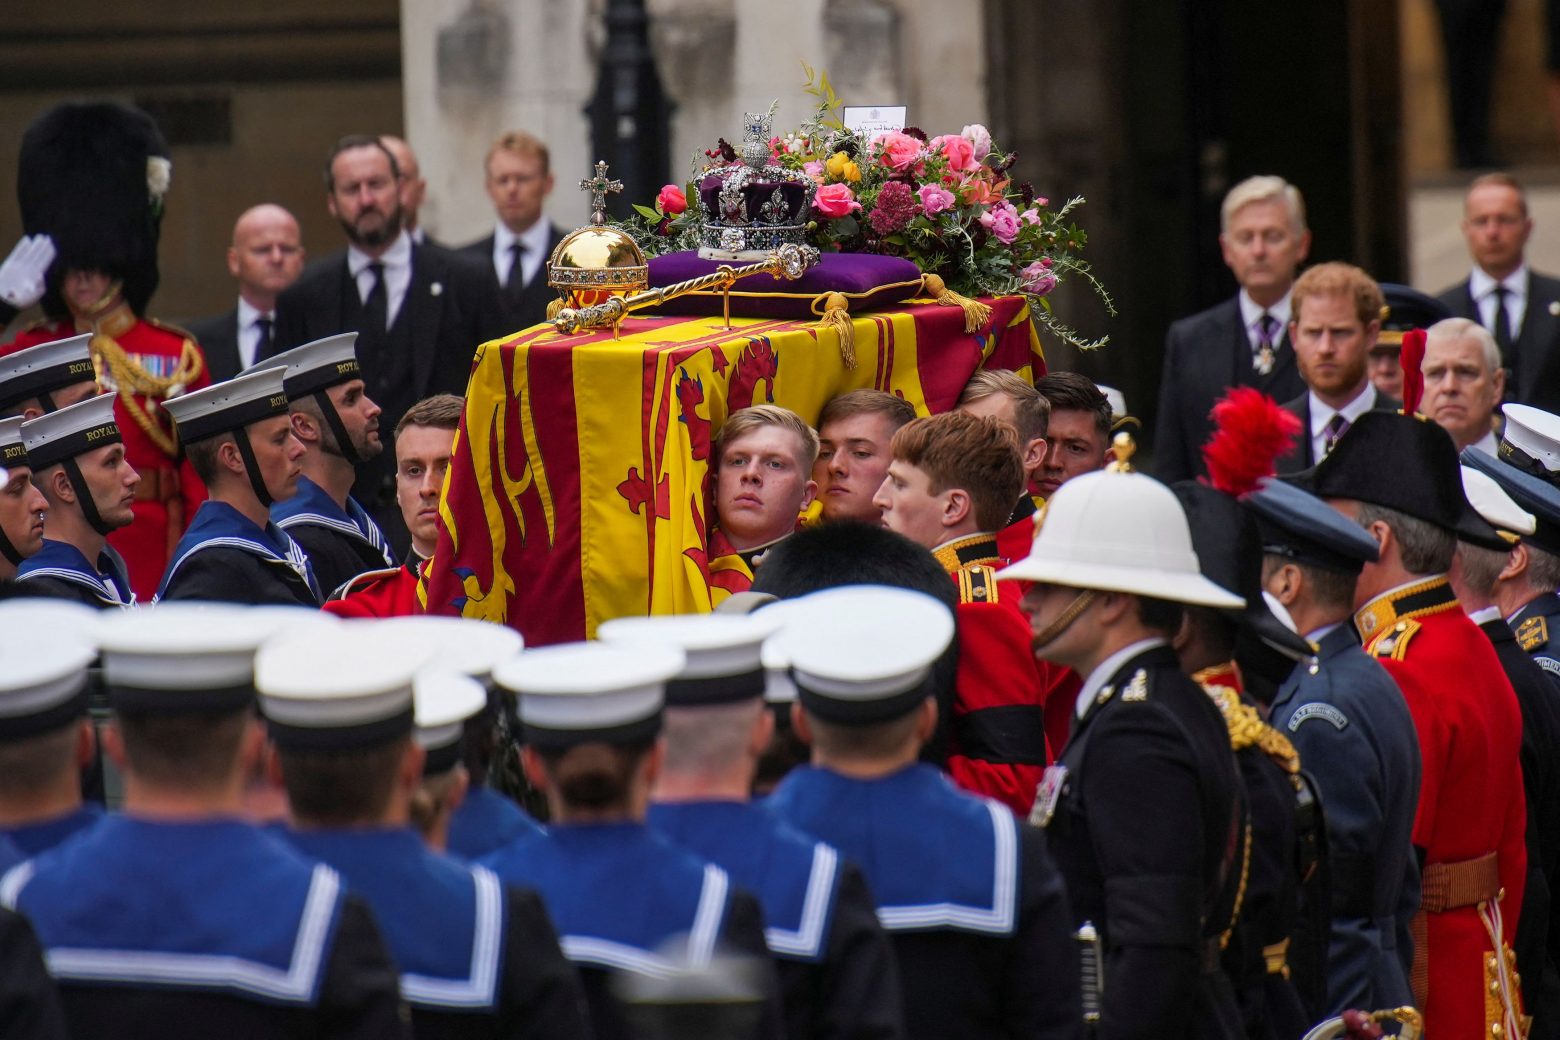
(868, 281)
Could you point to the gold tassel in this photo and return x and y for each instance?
(553, 307)
(976, 313)
(836, 316)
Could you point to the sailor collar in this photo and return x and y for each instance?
(312, 505)
(65, 562)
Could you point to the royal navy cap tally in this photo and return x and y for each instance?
(317, 366)
(75, 430)
(1532, 493)
(228, 406)
(1499, 510)
(1530, 440)
(13, 449)
(341, 687)
(579, 693)
(1298, 525)
(462, 645)
(862, 654)
(724, 653)
(45, 369)
(442, 702)
(180, 659)
(43, 677)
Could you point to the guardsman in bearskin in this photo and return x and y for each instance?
(950, 487)
(1144, 809)
(1348, 721)
(1397, 477)
(92, 176)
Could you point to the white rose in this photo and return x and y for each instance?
(979, 137)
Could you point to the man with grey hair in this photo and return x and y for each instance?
(1242, 341)
(1463, 382)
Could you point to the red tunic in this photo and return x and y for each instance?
(1471, 800)
(997, 744)
(378, 594)
(1059, 685)
(169, 492)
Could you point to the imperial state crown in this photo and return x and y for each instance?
(754, 207)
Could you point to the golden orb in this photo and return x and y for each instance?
(600, 258)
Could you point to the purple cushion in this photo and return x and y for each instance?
(868, 281)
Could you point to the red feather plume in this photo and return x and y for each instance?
(1253, 431)
(1411, 357)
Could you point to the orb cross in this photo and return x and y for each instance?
(598, 186)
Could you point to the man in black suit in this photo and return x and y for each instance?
(266, 257)
(518, 180)
(1243, 341)
(1519, 307)
(420, 312)
(1337, 320)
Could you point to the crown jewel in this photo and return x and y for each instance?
(753, 207)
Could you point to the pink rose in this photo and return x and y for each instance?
(897, 151)
(814, 170)
(1030, 216)
(1002, 221)
(1037, 277)
(671, 201)
(979, 138)
(835, 200)
(959, 152)
(934, 199)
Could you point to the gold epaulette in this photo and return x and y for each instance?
(977, 583)
(1392, 643)
(1533, 633)
(1247, 729)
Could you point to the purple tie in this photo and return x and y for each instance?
(1336, 427)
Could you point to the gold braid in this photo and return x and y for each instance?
(132, 379)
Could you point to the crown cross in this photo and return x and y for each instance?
(598, 186)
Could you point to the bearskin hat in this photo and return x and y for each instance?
(91, 175)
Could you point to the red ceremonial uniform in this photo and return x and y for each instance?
(169, 492)
(1471, 818)
(996, 744)
(1059, 685)
(391, 592)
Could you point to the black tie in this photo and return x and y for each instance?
(375, 308)
(1500, 328)
(515, 283)
(263, 345)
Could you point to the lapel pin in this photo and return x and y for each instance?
(436, 289)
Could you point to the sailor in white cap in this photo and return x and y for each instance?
(476, 958)
(22, 505)
(837, 970)
(624, 898)
(338, 426)
(78, 460)
(1144, 811)
(484, 819)
(445, 703)
(975, 908)
(47, 377)
(239, 439)
(174, 917)
(46, 739)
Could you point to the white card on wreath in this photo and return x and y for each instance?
(874, 119)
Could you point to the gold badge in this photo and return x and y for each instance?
(1137, 689)
(1533, 633)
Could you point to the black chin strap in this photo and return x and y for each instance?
(9, 551)
(337, 427)
(46, 400)
(251, 467)
(89, 507)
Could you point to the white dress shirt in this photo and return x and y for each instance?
(249, 332)
(398, 274)
(533, 254)
(1482, 288)
(1487, 444)
(1251, 313)
(1107, 668)
(1321, 415)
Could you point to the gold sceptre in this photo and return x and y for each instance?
(790, 261)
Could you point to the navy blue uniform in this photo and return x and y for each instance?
(625, 899)
(1147, 827)
(201, 930)
(837, 971)
(1348, 720)
(976, 909)
(225, 557)
(60, 571)
(476, 960)
(34, 838)
(29, 1005)
(340, 543)
(487, 821)
(1537, 626)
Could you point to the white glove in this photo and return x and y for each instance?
(22, 274)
